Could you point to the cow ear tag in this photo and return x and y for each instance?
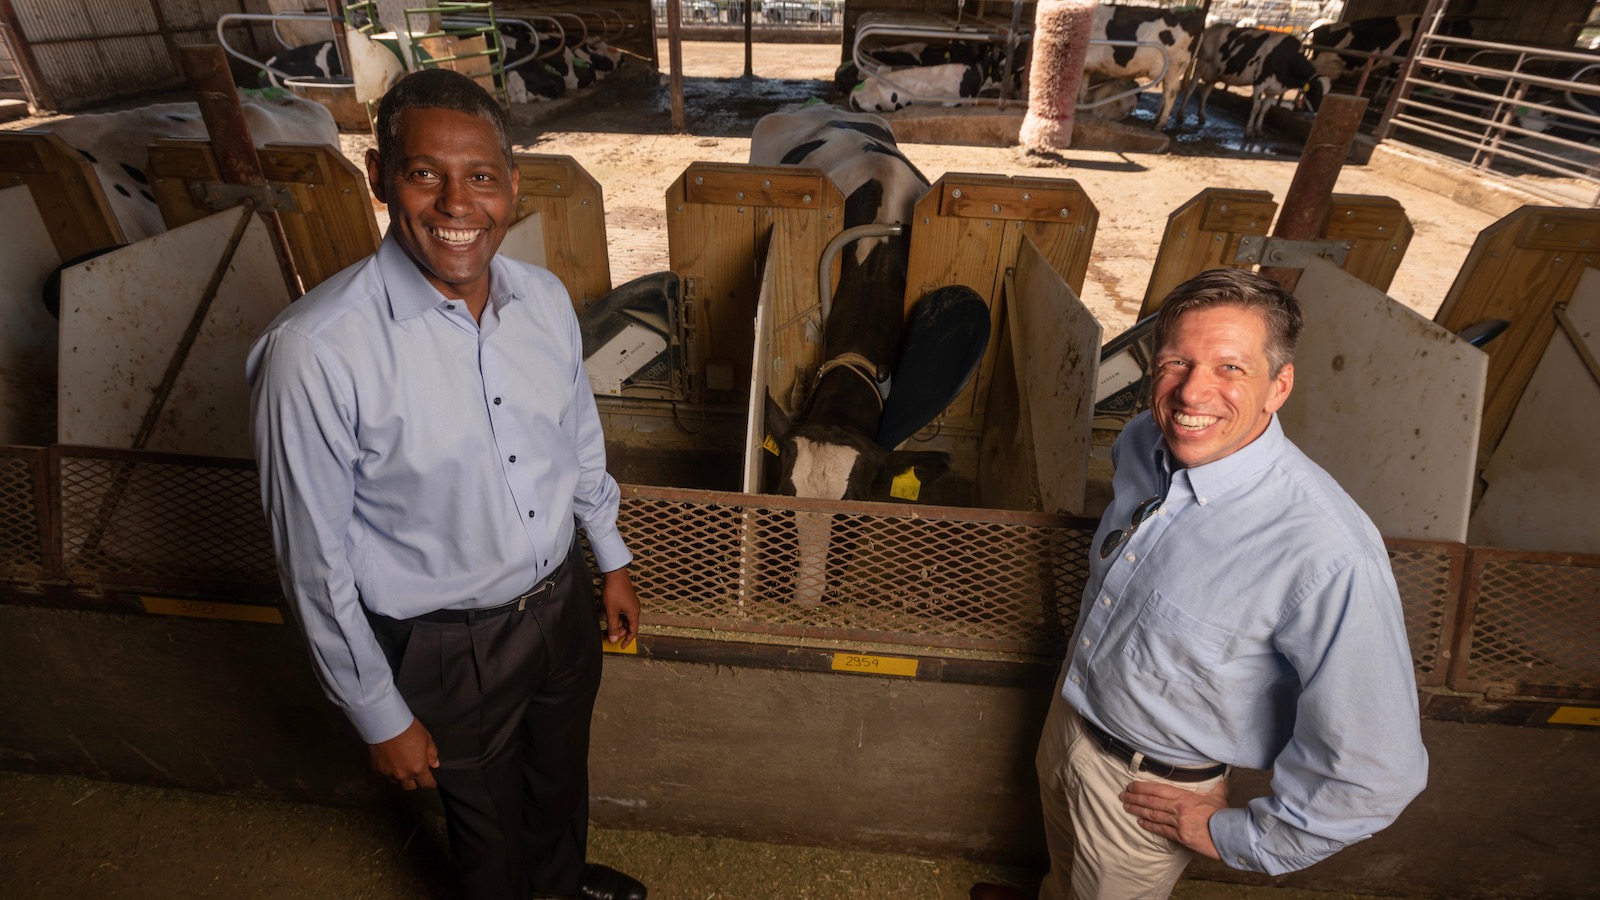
(771, 446)
(906, 486)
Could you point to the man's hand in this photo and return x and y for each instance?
(622, 607)
(1177, 814)
(407, 759)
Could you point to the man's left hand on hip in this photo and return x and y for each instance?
(1177, 814)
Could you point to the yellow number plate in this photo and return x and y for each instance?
(875, 665)
(1575, 715)
(207, 609)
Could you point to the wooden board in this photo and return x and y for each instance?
(572, 214)
(123, 317)
(1204, 233)
(1057, 344)
(968, 229)
(1519, 269)
(28, 340)
(1542, 492)
(332, 226)
(1389, 403)
(720, 220)
(65, 191)
(1378, 232)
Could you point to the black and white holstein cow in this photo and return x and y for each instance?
(117, 145)
(541, 66)
(830, 450)
(1334, 46)
(1271, 62)
(929, 73)
(1177, 33)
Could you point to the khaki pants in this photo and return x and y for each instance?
(1112, 858)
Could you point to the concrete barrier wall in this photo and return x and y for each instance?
(754, 747)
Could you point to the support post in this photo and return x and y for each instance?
(1306, 203)
(675, 63)
(1402, 85)
(206, 67)
(749, 14)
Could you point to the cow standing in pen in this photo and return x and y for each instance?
(830, 451)
(1270, 62)
(1177, 33)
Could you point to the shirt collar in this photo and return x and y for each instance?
(1243, 466)
(410, 293)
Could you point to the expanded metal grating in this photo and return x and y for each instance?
(1535, 625)
(159, 519)
(21, 536)
(1428, 575)
(937, 579)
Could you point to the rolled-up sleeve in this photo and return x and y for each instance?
(1355, 758)
(302, 427)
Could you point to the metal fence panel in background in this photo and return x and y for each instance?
(1533, 625)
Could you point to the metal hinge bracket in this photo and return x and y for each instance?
(1286, 254)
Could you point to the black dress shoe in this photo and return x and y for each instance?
(605, 883)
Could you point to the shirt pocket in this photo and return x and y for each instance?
(1171, 645)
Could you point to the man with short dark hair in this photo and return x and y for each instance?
(428, 446)
(1239, 611)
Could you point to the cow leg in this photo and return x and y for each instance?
(1205, 94)
(1258, 111)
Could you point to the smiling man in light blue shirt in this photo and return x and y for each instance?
(428, 446)
(1240, 611)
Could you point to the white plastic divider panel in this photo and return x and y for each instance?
(1056, 343)
(1542, 491)
(1389, 403)
(755, 429)
(524, 242)
(28, 340)
(129, 325)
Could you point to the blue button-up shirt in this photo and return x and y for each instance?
(413, 459)
(1253, 620)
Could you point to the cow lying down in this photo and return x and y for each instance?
(117, 145)
(832, 449)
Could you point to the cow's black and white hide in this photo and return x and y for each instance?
(542, 65)
(1177, 33)
(892, 88)
(830, 450)
(1384, 35)
(1270, 62)
(320, 60)
(117, 145)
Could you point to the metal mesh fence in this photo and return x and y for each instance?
(1535, 625)
(939, 580)
(21, 536)
(155, 519)
(1428, 575)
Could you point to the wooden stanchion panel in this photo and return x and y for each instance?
(1378, 231)
(572, 212)
(968, 229)
(65, 190)
(1204, 234)
(1518, 270)
(720, 218)
(332, 225)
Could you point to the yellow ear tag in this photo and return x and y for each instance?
(771, 446)
(905, 485)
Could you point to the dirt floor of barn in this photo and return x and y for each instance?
(68, 837)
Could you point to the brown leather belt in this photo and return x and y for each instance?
(1112, 745)
(534, 596)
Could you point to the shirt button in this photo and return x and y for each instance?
(1130, 557)
(1202, 501)
(513, 458)
(497, 401)
(1077, 680)
(450, 306)
(1085, 642)
(1105, 601)
(530, 513)
(1241, 861)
